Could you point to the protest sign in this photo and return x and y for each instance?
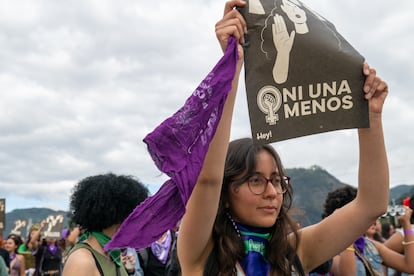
(2, 214)
(19, 227)
(302, 77)
(53, 226)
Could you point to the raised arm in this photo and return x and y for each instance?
(345, 225)
(194, 239)
(402, 257)
(373, 178)
(34, 241)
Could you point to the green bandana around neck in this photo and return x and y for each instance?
(103, 240)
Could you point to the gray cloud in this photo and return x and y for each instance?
(83, 82)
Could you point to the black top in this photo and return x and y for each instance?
(6, 256)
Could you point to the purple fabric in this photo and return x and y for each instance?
(360, 244)
(162, 249)
(52, 248)
(65, 233)
(178, 147)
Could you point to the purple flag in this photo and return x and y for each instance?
(178, 147)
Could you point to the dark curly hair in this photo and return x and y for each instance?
(229, 248)
(100, 201)
(338, 198)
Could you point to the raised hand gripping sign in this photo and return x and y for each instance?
(302, 76)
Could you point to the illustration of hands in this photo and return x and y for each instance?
(297, 15)
(256, 7)
(283, 43)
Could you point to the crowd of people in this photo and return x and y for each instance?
(237, 219)
(375, 252)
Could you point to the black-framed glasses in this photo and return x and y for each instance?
(257, 183)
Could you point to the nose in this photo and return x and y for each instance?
(270, 189)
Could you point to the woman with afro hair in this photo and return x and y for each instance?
(99, 204)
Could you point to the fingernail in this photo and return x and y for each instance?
(367, 88)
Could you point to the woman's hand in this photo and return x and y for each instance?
(404, 220)
(232, 24)
(376, 90)
(129, 263)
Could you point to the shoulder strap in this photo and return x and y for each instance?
(98, 266)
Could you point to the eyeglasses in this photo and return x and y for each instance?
(258, 183)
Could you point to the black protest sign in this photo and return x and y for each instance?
(53, 226)
(2, 214)
(302, 77)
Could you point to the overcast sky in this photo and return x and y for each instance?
(82, 82)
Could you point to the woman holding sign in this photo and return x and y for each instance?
(236, 220)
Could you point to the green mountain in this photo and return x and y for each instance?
(310, 187)
(397, 194)
(28, 216)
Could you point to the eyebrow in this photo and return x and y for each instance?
(272, 174)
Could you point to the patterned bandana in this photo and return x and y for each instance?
(162, 249)
(255, 244)
(178, 147)
(52, 248)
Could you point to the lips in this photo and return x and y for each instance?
(268, 208)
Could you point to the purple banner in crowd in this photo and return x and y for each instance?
(178, 147)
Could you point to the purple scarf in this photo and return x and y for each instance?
(178, 147)
(162, 249)
(360, 244)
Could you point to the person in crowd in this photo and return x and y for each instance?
(48, 255)
(374, 231)
(160, 258)
(17, 262)
(68, 239)
(4, 255)
(397, 241)
(26, 250)
(366, 256)
(99, 204)
(236, 220)
(26, 247)
(387, 230)
(4, 270)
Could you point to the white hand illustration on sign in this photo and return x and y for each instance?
(256, 7)
(296, 14)
(283, 43)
